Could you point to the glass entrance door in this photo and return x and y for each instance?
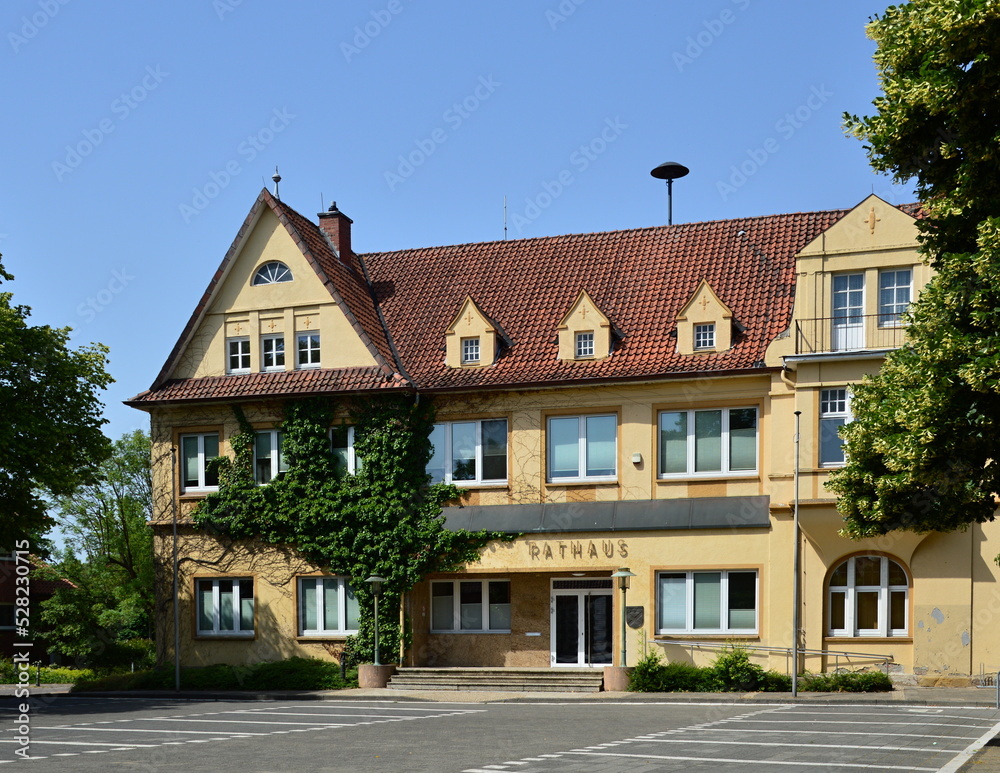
(582, 623)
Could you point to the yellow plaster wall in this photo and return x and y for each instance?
(287, 304)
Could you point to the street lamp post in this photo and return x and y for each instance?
(623, 575)
(376, 582)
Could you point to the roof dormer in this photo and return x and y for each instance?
(585, 331)
(705, 323)
(471, 338)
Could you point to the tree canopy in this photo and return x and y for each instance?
(922, 449)
(50, 436)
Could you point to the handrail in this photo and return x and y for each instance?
(787, 650)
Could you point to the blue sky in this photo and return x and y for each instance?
(138, 135)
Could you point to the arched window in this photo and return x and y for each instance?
(272, 273)
(868, 596)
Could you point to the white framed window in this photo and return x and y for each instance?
(225, 606)
(269, 456)
(584, 345)
(582, 447)
(470, 351)
(327, 605)
(894, 291)
(6, 616)
(272, 352)
(238, 355)
(307, 350)
(476, 606)
(196, 452)
(704, 336)
(271, 273)
(469, 452)
(342, 447)
(710, 602)
(868, 596)
(834, 413)
(708, 442)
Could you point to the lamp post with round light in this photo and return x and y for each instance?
(376, 582)
(624, 576)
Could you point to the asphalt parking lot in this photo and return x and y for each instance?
(74, 733)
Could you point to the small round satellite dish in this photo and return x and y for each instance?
(669, 170)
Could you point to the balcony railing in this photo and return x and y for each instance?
(849, 333)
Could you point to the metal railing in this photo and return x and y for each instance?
(849, 333)
(882, 659)
(988, 681)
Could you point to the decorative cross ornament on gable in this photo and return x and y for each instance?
(583, 311)
(872, 220)
(238, 328)
(271, 325)
(307, 322)
(468, 317)
(703, 302)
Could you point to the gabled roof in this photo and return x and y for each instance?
(402, 302)
(343, 278)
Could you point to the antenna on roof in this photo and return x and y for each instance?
(277, 179)
(321, 201)
(670, 171)
(505, 218)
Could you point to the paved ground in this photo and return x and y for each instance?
(361, 731)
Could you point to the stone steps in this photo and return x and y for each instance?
(499, 679)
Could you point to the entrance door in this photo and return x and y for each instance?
(581, 624)
(848, 311)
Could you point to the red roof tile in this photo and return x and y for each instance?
(269, 385)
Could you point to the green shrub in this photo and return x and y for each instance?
(292, 674)
(774, 681)
(9, 674)
(732, 670)
(865, 681)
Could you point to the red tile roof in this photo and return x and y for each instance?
(269, 385)
(640, 279)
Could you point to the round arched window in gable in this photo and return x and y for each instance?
(271, 273)
(868, 597)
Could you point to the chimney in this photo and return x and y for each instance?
(337, 226)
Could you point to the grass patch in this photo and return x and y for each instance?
(732, 671)
(291, 674)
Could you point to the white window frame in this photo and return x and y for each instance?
(704, 336)
(830, 409)
(277, 455)
(725, 453)
(203, 461)
(312, 353)
(457, 605)
(343, 588)
(582, 445)
(272, 338)
(724, 609)
(272, 272)
(889, 314)
(238, 599)
(242, 356)
(584, 345)
(353, 462)
(447, 454)
(470, 351)
(884, 590)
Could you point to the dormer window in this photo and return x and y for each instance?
(470, 351)
(584, 345)
(704, 336)
(271, 273)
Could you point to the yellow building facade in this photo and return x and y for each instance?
(622, 400)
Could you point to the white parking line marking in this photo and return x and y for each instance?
(970, 750)
(324, 714)
(238, 722)
(798, 745)
(89, 743)
(753, 762)
(839, 722)
(171, 731)
(833, 732)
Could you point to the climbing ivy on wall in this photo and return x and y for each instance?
(383, 520)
